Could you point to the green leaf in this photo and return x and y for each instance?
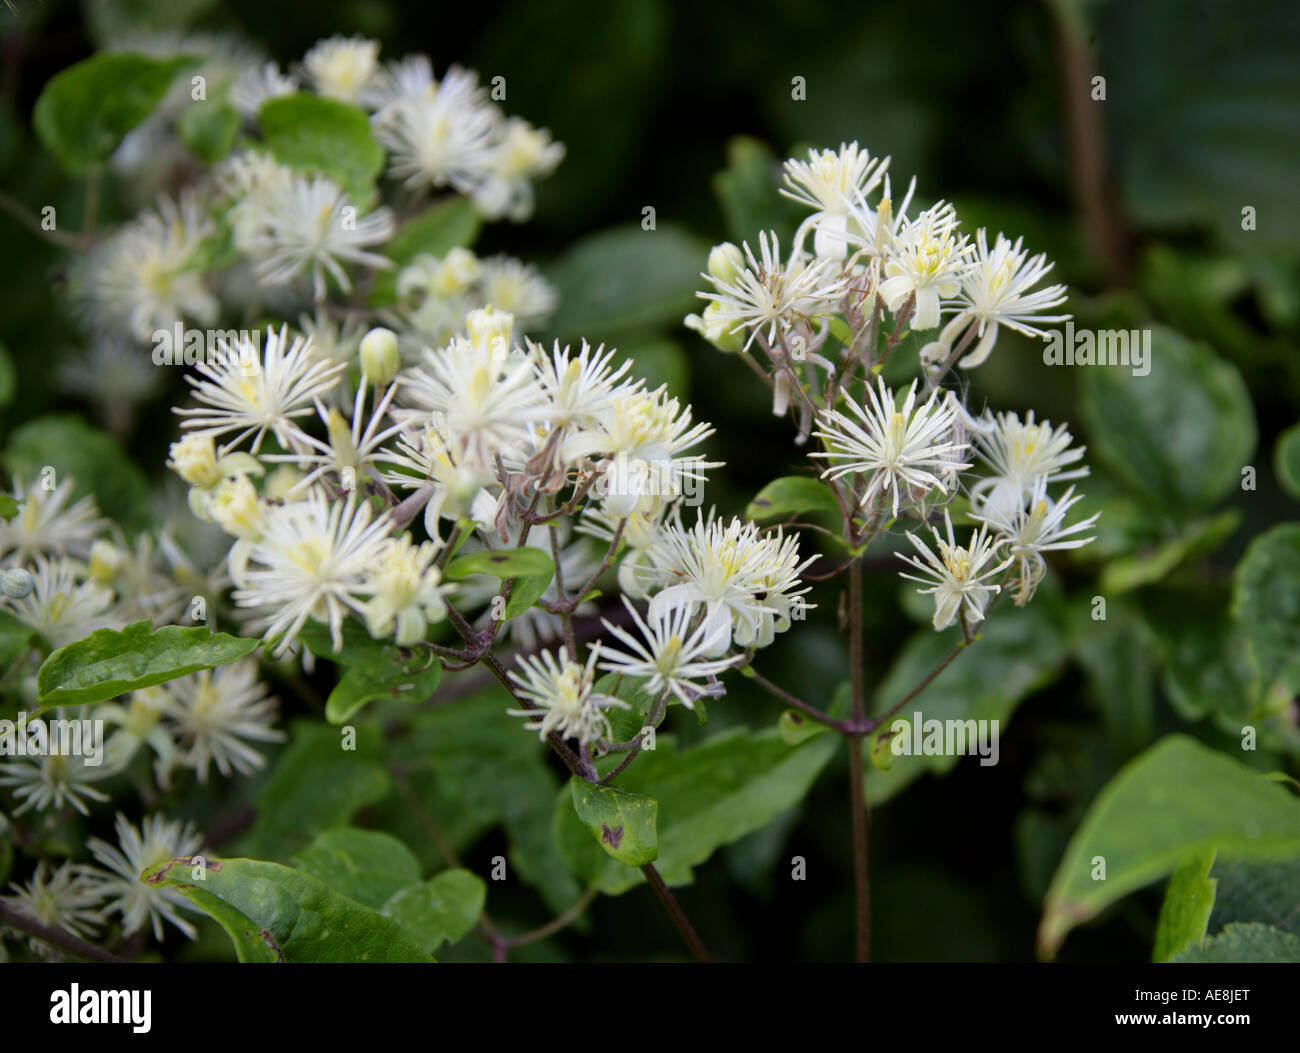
(1254, 891)
(1173, 802)
(1197, 538)
(85, 111)
(710, 795)
(15, 638)
(365, 865)
(796, 728)
(792, 495)
(375, 669)
(317, 784)
(8, 507)
(1286, 461)
(485, 766)
(1245, 944)
(622, 823)
(8, 376)
(530, 568)
(362, 684)
(626, 279)
(90, 458)
(1206, 669)
(747, 191)
(524, 562)
(1179, 435)
(108, 663)
(1220, 142)
(208, 128)
(275, 914)
(441, 910)
(316, 134)
(1266, 602)
(435, 231)
(1019, 650)
(1186, 910)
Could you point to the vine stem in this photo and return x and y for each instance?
(555, 924)
(857, 794)
(56, 937)
(698, 951)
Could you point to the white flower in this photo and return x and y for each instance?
(51, 780)
(114, 376)
(217, 712)
(351, 450)
(563, 692)
(441, 139)
(521, 154)
(406, 591)
(253, 395)
(644, 434)
(259, 84)
(1021, 453)
(509, 285)
(61, 608)
(46, 524)
(139, 722)
(671, 656)
(1030, 530)
(141, 278)
(444, 278)
(734, 570)
(311, 563)
(770, 294)
(928, 259)
(959, 574)
(65, 899)
(431, 456)
(409, 78)
(907, 452)
(831, 182)
(997, 289)
(158, 840)
(485, 397)
(342, 67)
(307, 223)
(580, 387)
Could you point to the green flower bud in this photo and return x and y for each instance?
(380, 357)
(726, 262)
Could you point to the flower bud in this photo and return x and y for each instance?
(280, 483)
(380, 357)
(488, 325)
(726, 262)
(16, 582)
(106, 561)
(194, 459)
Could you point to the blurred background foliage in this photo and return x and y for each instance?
(688, 108)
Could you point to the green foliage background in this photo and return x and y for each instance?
(669, 105)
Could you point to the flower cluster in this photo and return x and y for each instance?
(265, 225)
(860, 277)
(80, 899)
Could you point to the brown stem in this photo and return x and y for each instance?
(698, 951)
(55, 937)
(857, 793)
(557, 924)
(1095, 203)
